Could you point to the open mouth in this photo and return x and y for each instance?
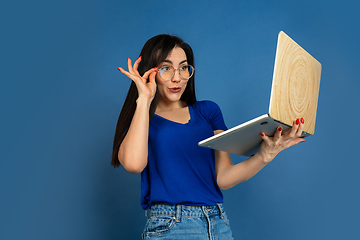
(175, 89)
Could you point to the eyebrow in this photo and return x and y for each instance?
(168, 61)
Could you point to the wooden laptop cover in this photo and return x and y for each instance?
(295, 86)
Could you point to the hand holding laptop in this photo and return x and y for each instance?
(271, 146)
(294, 96)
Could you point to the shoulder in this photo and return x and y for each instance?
(212, 113)
(206, 105)
(208, 109)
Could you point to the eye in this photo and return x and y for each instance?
(184, 68)
(165, 68)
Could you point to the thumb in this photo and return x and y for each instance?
(152, 77)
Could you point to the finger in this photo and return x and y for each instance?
(277, 133)
(123, 71)
(264, 137)
(136, 65)
(294, 128)
(296, 141)
(130, 67)
(147, 73)
(301, 127)
(152, 77)
(129, 75)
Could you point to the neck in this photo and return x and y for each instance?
(168, 106)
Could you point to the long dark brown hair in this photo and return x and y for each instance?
(154, 52)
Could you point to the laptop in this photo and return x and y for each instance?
(294, 94)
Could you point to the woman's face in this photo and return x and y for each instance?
(171, 90)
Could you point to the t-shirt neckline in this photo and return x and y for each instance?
(190, 113)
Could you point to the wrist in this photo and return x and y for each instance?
(264, 158)
(143, 101)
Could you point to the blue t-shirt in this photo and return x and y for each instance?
(178, 170)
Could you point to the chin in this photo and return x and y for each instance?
(174, 98)
(170, 97)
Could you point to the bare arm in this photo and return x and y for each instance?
(229, 175)
(133, 151)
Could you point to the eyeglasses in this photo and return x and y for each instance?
(166, 72)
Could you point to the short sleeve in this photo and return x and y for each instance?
(211, 111)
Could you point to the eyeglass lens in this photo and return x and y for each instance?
(167, 72)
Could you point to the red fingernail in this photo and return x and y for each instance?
(139, 57)
(156, 67)
(262, 134)
(302, 120)
(297, 121)
(118, 69)
(279, 129)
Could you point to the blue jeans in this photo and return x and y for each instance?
(187, 222)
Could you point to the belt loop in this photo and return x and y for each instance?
(220, 209)
(178, 213)
(146, 213)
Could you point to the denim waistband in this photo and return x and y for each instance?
(178, 211)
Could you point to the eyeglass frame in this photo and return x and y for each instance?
(176, 69)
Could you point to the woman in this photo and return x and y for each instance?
(157, 134)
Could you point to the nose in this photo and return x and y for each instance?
(176, 77)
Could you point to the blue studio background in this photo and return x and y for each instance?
(61, 95)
